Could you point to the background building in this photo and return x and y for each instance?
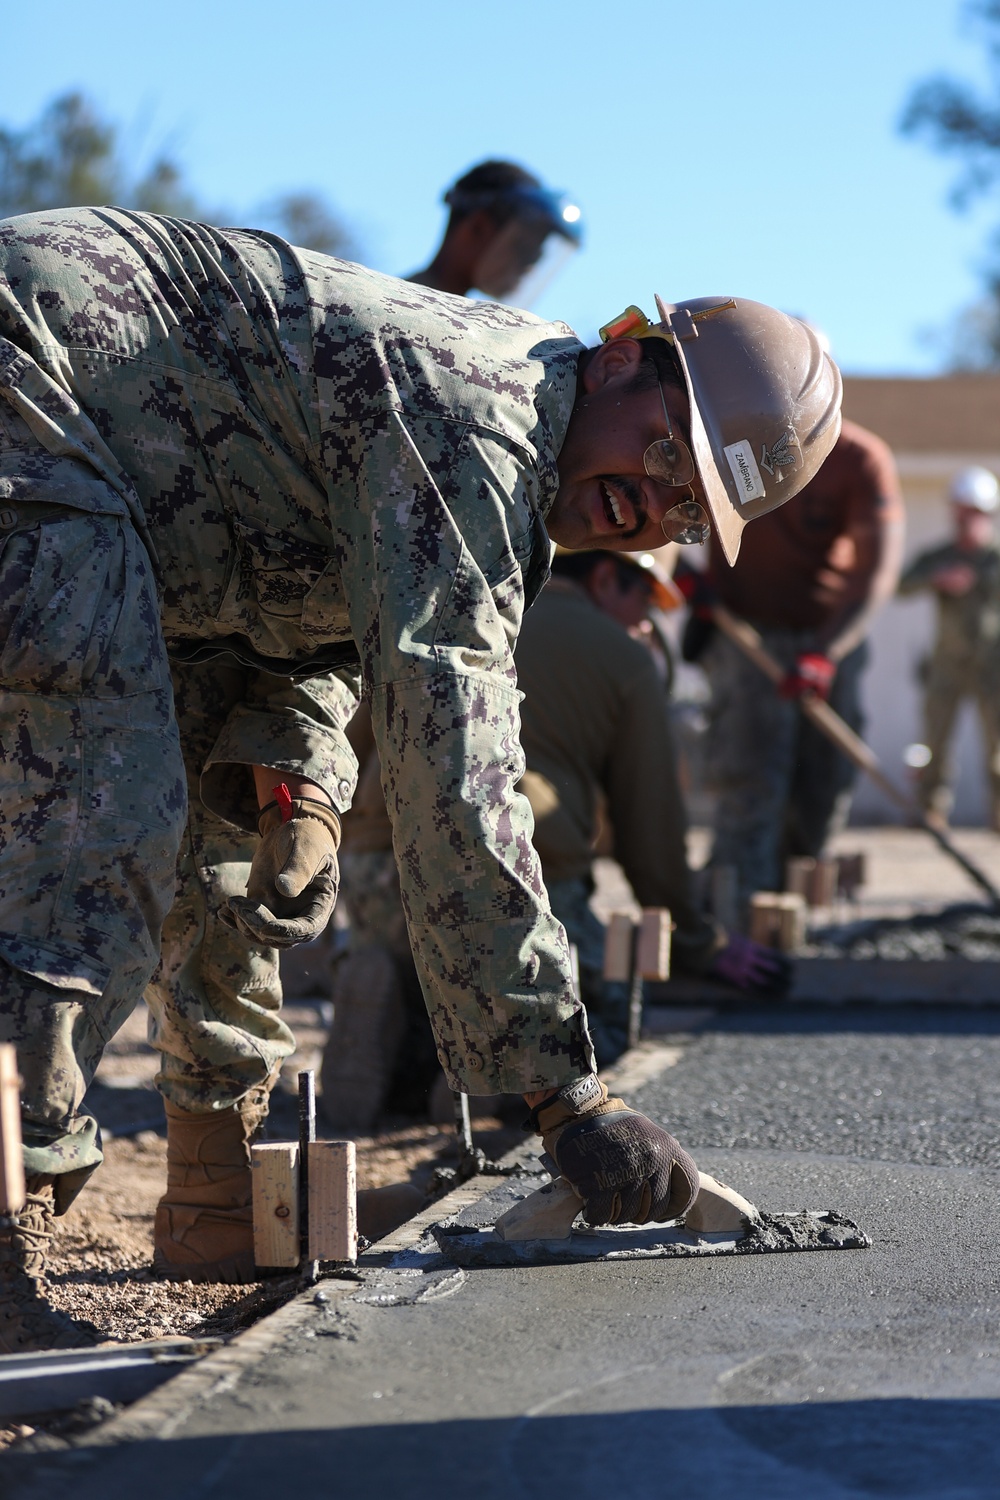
(934, 427)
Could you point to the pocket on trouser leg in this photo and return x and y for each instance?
(215, 1000)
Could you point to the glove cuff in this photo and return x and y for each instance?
(580, 1097)
(270, 816)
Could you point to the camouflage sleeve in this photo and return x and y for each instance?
(436, 599)
(292, 726)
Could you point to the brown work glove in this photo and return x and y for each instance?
(625, 1167)
(294, 877)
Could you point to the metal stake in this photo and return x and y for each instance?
(307, 1134)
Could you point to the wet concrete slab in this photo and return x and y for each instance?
(829, 1375)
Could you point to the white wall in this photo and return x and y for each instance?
(902, 635)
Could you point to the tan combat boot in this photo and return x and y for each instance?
(28, 1321)
(204, 1221)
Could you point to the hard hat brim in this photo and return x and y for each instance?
(727, 521)
(762, 393)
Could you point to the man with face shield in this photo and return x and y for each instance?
(507, 236)
(217, 446)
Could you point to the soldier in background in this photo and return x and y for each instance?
(507, 235)
(964, 577)
(598, 741)
(811, 578)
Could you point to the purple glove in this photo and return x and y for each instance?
(750, 966)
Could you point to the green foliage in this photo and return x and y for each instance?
(955, 119)
(70, 157)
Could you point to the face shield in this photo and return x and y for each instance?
(529, 248)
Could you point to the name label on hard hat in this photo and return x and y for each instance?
(745, 470)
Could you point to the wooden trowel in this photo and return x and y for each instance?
(550, 1211)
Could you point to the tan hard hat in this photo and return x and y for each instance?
(765, 402)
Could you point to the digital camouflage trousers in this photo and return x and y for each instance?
(949, 684)
(96, 841)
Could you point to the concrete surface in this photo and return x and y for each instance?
(852, 981)
(823, 1375)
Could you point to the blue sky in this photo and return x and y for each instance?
(718, 146)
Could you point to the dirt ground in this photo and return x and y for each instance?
(101, 1251)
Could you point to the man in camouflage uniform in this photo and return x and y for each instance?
(964, 577)
(232, 1038)
(322, 469)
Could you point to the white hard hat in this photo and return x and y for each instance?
(977, 488)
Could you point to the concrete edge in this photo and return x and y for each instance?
(159, 1415)
(856, 981)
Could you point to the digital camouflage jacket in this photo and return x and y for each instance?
(335, 471)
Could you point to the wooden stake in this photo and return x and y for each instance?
(618, 938)
(792, 926)
(822, 890)
(652, 954)
(778, 921)
(276, 1204)
(11, 1157)
(798, 874)
(333, 1201)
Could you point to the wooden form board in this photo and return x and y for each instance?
(652, 951)
(646, 952)
(778, 920)
(815, 879)
(618, 937)
(11, 1157)
(276, 1204)
(333, 1201)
